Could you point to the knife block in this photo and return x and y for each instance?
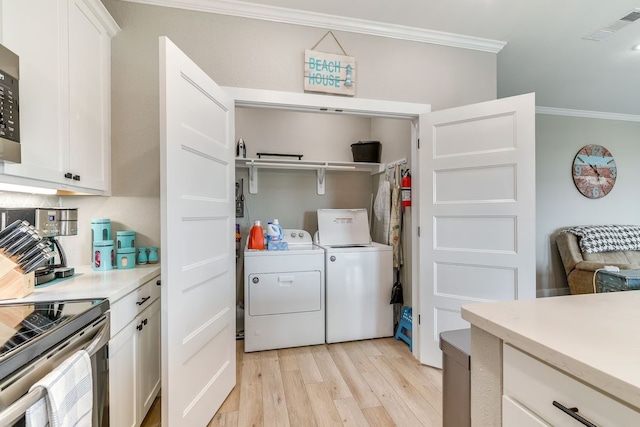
(13, 283)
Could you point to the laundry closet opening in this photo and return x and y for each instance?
(290, 194)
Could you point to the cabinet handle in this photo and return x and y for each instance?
(139, 327)
(158, 282)
(76, 177)
(144, 322)
(143, 300)
(573, 413)
(68, 175)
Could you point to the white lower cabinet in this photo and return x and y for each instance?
(537, 394)
(134, 355)
(122, 378)
(148, 358)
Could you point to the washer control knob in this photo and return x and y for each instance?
(293, 234)
(255, 280)
(332, 258)
(300, 234)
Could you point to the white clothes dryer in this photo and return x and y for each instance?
(359, 277)
(284, 295)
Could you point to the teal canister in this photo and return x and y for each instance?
(100, 229)
(104, 256)
(126, 258)
(153, 255)
(142, 255)
(125, 240)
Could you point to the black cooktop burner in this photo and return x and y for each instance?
(29, 329)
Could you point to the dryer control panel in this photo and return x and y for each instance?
(294, 236)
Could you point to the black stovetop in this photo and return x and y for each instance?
(29, 329)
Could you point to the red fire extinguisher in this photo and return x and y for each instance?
(406, 189)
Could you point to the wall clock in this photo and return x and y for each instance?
(594, 171)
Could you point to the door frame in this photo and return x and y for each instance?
(324, 104)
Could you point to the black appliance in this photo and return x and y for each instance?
(37, 337)
(9, 106)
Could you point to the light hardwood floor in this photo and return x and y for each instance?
(361, 383)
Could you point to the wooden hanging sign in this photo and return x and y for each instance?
(329, 73)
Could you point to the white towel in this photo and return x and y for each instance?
(69, 398)
(381, 208)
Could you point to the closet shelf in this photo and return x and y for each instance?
(320, 166)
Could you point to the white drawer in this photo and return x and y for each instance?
(128, 307)
(514, 414)
(536, 385)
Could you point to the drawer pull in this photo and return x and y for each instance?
(573, 413)
(139, 327)
(145, 299)
(158, 282)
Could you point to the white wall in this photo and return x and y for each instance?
(559, 203)
(316, 136)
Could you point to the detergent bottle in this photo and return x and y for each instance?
(280, 232)
(256, 236)
(273, 236)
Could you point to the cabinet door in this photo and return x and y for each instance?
(34, 31)
(123, 377)
(89, 99)
(148, 357)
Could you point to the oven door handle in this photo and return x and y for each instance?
(17, 409)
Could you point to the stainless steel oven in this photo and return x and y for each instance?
(37, 337)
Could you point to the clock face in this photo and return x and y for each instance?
(594, 171)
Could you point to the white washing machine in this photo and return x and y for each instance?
(359, 277)
(284, 295)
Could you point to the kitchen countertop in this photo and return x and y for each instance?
(86, 283)
(594, 337)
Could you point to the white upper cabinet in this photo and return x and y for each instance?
(65, 112)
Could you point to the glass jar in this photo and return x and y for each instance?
(103, 255)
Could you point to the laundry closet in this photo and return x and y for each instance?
(292, 189)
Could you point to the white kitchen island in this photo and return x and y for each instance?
(578, 351)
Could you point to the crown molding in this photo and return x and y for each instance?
(331, 22)
(587, 114)
(100, 12)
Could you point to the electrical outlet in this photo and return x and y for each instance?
(239, 208)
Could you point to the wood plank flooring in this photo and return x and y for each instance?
(373, 383)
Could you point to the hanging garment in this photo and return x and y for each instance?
(381, 209)
(394, 223)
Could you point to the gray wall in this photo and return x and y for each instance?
(559, 203)
(254, 54)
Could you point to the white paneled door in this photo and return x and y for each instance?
(477, 212)
(197, 219)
